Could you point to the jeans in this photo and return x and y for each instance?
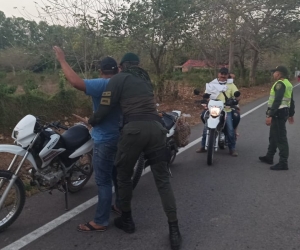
(103, 162)
(229, 129)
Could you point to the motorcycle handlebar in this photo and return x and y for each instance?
(63, 127)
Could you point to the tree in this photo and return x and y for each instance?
(156, 25)
(17, 59)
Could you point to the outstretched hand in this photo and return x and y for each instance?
(60, 55)
(84, 120)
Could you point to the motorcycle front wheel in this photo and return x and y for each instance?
(138, 170)
(14, 201)
(211, 146)
(80, 174)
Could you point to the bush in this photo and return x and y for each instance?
(2, 74)
(34, 102)
(263, 77)
(30, 85)
(6, 89)
(95, 74)
(42, 78)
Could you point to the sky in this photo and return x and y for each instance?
(25, 8)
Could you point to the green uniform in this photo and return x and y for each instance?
(142, 132)
(280, 107)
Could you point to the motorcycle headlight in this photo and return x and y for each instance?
(214, 111)
(16, 133)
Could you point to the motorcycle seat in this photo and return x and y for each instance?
(174, 114)
(75, 137)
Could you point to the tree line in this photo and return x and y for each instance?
(249, 36)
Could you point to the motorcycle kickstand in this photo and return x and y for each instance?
(66, 196)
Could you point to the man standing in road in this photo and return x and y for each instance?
(281, 107)
(105, 137)
(142, 132)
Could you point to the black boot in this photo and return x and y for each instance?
(280, 166)
(266, 159)
(175, 236)
(125, 222)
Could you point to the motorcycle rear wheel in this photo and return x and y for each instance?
(81, 174)
(14, 202)
(211, 146)
(138, 170)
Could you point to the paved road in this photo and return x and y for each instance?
(237, 203)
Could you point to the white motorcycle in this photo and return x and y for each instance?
(170, 120)
(215, 119)
(58, 161)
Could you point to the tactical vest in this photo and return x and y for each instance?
(286, 100)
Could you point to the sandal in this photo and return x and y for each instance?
(113, 209)
(90, 228)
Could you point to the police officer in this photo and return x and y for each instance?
(142, 132)
(281, 107)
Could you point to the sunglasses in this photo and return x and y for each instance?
(225, 74)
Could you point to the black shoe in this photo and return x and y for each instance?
(125, 222)
(280, 166)
(265, 159)
(175, 236)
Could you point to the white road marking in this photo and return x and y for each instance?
(27, 239)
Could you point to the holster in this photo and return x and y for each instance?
(282, 113)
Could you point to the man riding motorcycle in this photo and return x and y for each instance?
(223, 89)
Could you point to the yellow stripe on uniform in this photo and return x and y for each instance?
(105, 101)
(107, 93)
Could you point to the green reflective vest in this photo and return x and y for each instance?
(286, 100)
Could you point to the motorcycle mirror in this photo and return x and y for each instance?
(196, 92)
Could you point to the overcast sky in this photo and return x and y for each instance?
(25, 8)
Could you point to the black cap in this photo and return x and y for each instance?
(108, 63)
(282, 70)
(130, 57)
(224, 70)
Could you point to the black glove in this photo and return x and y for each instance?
(237, 93)
(206, 96)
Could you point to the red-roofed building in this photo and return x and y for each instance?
(197, 64)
